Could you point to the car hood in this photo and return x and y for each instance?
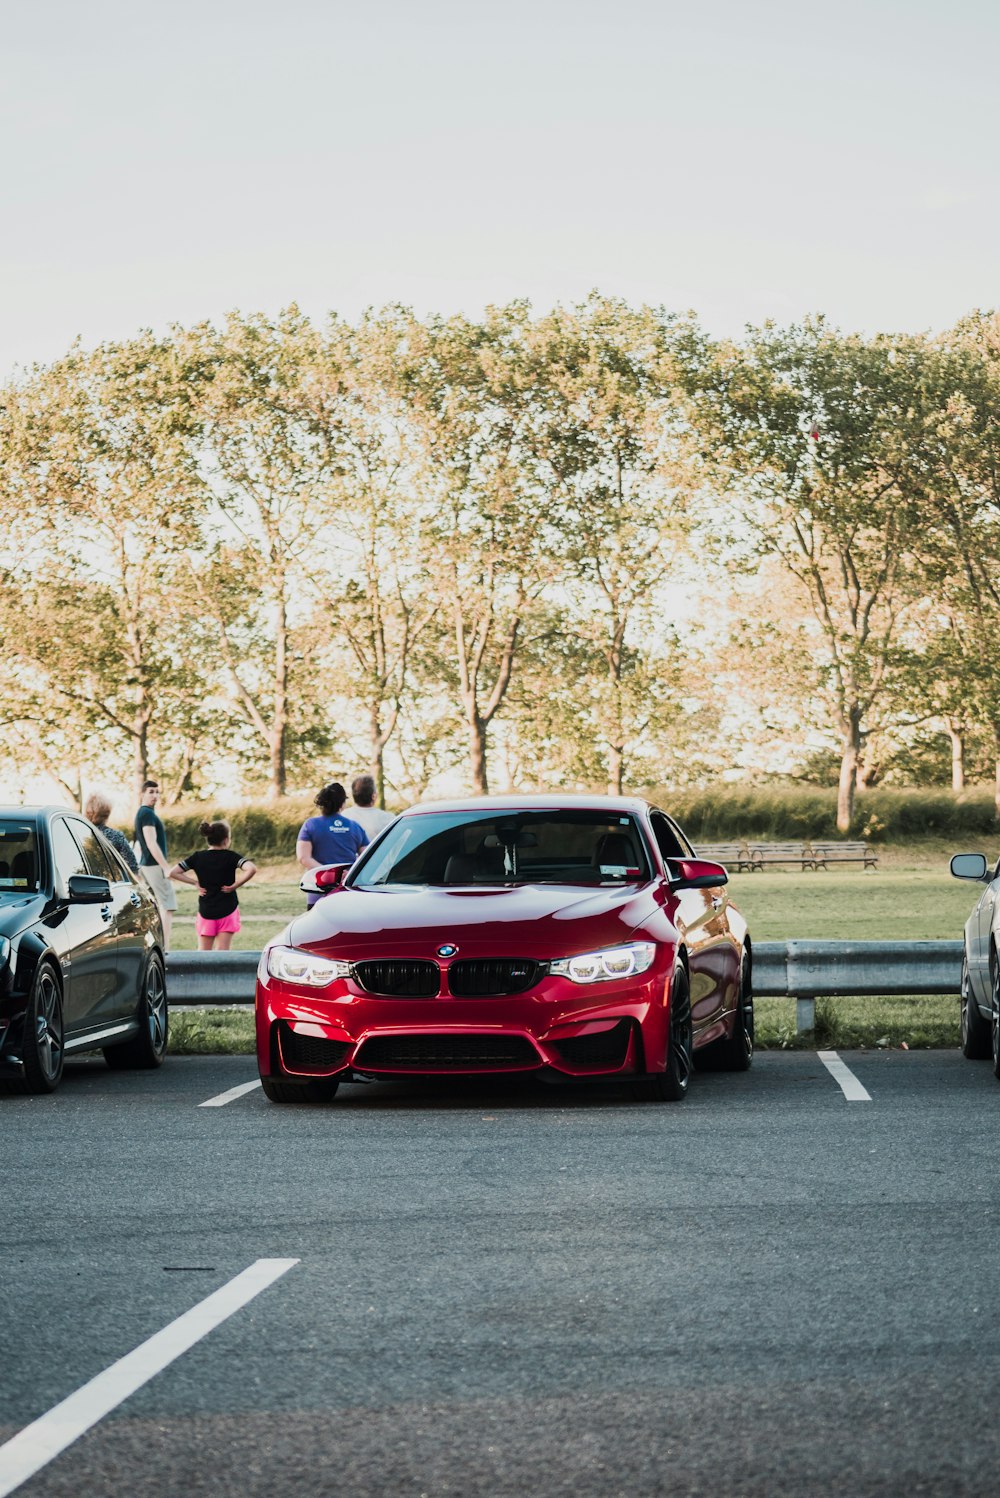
(19, 908)
(540, 921)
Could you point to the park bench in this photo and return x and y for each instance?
(765, 855)
(826, 853)
(732, 855)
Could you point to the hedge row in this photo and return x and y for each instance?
(719, 814)
(776, 814)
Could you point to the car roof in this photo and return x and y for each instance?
(534, 802)
(40, 813)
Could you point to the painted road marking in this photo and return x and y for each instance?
(45, 1438)
(230, 1096)
(843, 1076)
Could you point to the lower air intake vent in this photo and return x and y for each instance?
(399, 980)
(308, 1052)
(608, 1048)
(446, 1052)
(492, 977)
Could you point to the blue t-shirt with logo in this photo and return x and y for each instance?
(334, 840)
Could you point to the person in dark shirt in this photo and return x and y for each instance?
(218, 871)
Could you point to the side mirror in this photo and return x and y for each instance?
(321, 881)
(89, 889)
(696, 873)
(969, 866)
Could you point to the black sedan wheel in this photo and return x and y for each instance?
(977, 1042)
(147, 1049)
(43, 1033)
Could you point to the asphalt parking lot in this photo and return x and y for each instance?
(773, 1288)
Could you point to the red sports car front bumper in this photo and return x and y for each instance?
(575, 1030)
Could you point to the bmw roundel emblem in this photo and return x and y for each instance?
(448, 950)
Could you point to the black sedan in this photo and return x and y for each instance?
(81, 951)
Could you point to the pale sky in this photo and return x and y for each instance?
(166, 164)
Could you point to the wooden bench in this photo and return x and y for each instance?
(765, 855)
(733, 855)
(825, 853)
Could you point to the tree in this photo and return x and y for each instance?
(814, 433)
(262, 474)
(474, 400)
(958, 459)
(619, 454)
(98, 475)
(379, 600)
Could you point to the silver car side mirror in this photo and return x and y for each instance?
(969, 866)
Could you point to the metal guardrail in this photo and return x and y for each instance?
(801, 970)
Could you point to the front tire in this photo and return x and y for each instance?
(145, 1051)
(977, 1039)
(43, 1052)
(671, 1084)
(299, 1092)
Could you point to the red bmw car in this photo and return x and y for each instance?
(572, 936)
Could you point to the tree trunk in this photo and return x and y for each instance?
(616, 762)
(848, 771)
(376, 765)
(956, 732)
(279, 725)
(477, 756)
(140, 755)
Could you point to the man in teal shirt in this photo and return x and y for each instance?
(151, 835)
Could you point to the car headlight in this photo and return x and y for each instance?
(603, 967)
(292, 966)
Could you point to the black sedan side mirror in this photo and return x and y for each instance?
(89, 889)
(969, 866)
(696, 873)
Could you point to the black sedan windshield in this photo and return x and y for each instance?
(18, 858)
(501, 847)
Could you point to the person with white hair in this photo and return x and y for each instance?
(97, 810)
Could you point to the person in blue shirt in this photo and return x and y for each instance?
(330, 837)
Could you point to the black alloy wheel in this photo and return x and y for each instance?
(299, 1092)
(977, 1041)
(146, 1050)
(733, 1052)
(44, 1051)
(671, 1084)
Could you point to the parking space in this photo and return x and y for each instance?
(494, 1277)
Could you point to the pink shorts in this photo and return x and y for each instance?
(214, 928)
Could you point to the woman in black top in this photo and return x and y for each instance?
(218, 871)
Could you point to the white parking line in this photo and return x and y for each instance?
(843, 1076)
(45, 1438)
(230, 1096)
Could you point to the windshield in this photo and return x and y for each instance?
(18, 857)
(519, 847)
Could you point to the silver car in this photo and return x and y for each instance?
(980, 963)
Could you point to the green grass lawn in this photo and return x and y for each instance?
(911, 897)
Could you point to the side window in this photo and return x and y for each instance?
(667, 838)
(93, 851)
(66, 855)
